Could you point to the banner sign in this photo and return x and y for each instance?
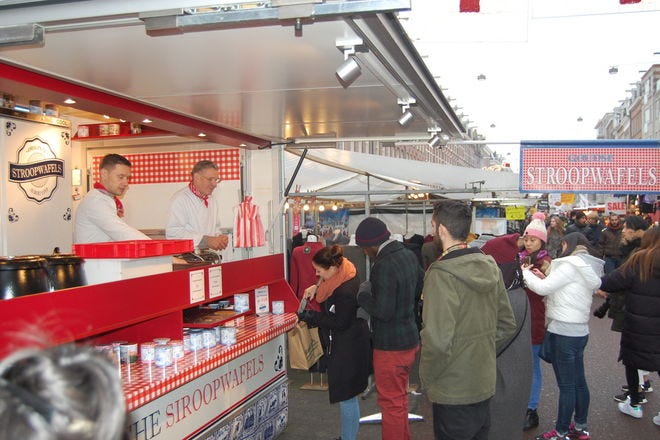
(515, 212)
(607, 166)
(616, 206)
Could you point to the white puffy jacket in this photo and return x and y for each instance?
(569, 287)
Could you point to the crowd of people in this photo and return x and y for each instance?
(467, 317)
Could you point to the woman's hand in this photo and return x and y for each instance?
(602, 293)
(310, 292)
(526, 266)
(538, 273)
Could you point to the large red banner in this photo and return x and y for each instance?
(622, 167)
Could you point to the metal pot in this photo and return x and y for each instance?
(21, 276)
(65, 270)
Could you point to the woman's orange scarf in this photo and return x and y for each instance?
(326, 288)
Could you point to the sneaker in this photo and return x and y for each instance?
(577, 434)
(625, 396)
(531, 420)
(633, 411)
(656, 419)
(551, 435)
(647, 387)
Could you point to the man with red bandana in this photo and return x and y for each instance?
(99, 217)
(193, 213)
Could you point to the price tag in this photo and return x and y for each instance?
(196, 286)
(215, 281)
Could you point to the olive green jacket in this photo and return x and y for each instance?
(466, 314)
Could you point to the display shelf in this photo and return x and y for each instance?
(123, 130)
(146, 382)
(135, 309)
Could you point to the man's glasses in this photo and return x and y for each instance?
(213, 179)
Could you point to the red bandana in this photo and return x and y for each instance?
(205, 198)
(120, 206)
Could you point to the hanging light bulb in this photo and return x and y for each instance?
(321, 208)
(306, 207)
(334, 206)
(286, 205)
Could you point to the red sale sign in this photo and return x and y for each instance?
(620, 166)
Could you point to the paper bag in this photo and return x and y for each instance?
(304, 346)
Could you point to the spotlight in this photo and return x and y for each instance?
(298, 28)
(348, 71)
(405, 118)
(434, 141)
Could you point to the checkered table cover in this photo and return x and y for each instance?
(175, 167)
(146, 382)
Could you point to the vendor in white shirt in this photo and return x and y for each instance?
(99, 218)
(193, 213)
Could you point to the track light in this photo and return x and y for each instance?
(349, 70)
(407, 116)
(434, 141)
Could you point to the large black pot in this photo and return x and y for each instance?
(21, 276)
(65, 270)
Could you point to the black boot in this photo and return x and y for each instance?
(531, 420)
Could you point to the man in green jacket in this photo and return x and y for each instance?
(466, 315)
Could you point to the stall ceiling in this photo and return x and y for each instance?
(254, 76)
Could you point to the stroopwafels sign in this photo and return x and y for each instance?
(622, 167)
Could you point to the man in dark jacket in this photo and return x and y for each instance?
(391, 297)
(609, 243)
(579, 225)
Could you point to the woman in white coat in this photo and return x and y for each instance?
(568, 288)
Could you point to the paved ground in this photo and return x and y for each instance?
(311, 417)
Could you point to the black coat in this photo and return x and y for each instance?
(640, 337)
(349, 346)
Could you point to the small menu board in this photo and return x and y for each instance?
(261, 302)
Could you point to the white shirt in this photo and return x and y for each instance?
(189, 218)
(96, 221)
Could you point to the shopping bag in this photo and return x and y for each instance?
(304, 346)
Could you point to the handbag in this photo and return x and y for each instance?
(304, 346)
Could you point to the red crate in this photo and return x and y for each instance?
(133, 248)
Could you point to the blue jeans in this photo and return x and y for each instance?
(568, 364)
(537, 379)
(350, 418)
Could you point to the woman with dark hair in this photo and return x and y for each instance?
(349, 344)
(63, 392)
(639, 278)
(555, 234)
(568, 288)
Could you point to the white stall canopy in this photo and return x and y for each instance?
(349, 176)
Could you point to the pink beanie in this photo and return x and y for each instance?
(536, 227)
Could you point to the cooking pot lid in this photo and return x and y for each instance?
(22, 262)
(63, 259)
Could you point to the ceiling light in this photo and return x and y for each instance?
(481, 77)
(407, 116)
(614, 70)
(321, 208)
(202, 135)
(579, 119)
(334, 207)
(69, 101)
(106, 117)
(305, 207)
(349, 70)
(147, 121)
(122, 120)
(492, 125)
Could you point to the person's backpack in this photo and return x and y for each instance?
(512, 274)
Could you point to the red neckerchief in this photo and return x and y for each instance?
(205, 198)
(120, 206)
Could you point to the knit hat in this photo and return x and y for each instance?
(503, 248)
(371, 232)
(536, 227)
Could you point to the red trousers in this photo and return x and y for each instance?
(391, 372)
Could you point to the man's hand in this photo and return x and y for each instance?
(218, 242)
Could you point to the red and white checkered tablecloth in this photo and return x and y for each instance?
(146, 382)
(173, 167)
